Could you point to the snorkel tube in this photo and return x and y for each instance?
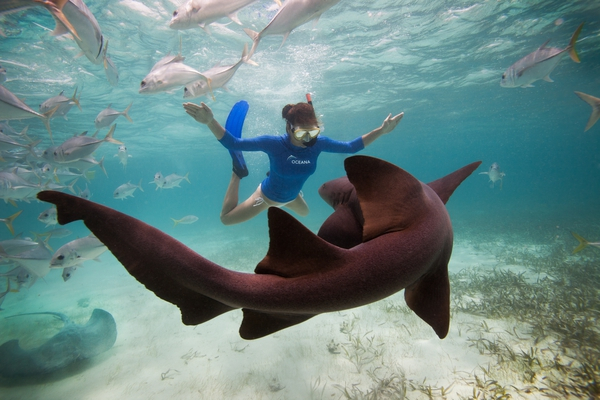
(312, 141)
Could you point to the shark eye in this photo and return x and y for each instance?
(503, 76)
(175, 13)
(61, 257)
(143, 83)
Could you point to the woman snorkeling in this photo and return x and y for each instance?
(293, 158)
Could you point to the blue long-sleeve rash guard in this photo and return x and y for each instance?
(290, 165)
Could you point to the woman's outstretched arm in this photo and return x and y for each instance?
(203, 114)
(389, 124)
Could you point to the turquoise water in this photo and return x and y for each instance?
(438, 62)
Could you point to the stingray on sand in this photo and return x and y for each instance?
(73, 343)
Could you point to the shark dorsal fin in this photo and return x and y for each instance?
(390, 198)
(444, 187)
(294, 250)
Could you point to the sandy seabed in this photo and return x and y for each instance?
(381, 350)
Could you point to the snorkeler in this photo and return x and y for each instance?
(293, 158)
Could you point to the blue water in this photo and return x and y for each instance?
(439, 62)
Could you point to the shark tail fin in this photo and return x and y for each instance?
(444, 187)
(572, 51)
(144, 251)
(583, 243)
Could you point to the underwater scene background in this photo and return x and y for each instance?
(524, 307)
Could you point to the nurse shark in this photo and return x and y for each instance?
(406, 243)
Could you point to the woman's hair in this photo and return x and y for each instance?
(301, 114)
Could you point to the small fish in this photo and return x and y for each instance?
(188, 219)
(126, 190)
(77, 251)
(20, 276)
(123, 155)
(218, 77)
(9, 220)
(539, 64)
(107, 116)
(170, 73)
(201, 13)
(494, 175)
(48, 217)
(173, 180)
(159, 180)
(583, 243)
(2, 74)
(291, 15)
(53, 6)
(63, 102)
(80, 147)
(68, 272)
(13, 108)
(595, 103)
(85, 194)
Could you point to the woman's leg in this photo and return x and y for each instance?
(234, 213)
(299, 206)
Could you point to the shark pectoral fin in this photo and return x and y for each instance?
(257, 324)
(390, 198)
(162, 264)
(294, 250)
(444, 187)
(429, 298)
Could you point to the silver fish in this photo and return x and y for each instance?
(173, 180)
(123, 155)
(539, 64)
(291, 15)
(35, 260)
(218, 77)
(20, 276)
(53, 6)
(85, 194)
(126, 190)
(80, 147)
(595, 103)
(201, 13)
(109, 115)
(494, 174)
(63, 102)
(13, 108)
(159, 180)
(77, 251)
(48, 217)
(89, 39)
(188, 219)
(14, 188)
(169, 73)
(2, 74)
(68, 273)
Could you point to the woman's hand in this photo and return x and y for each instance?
(390, 123)
(201, 113)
